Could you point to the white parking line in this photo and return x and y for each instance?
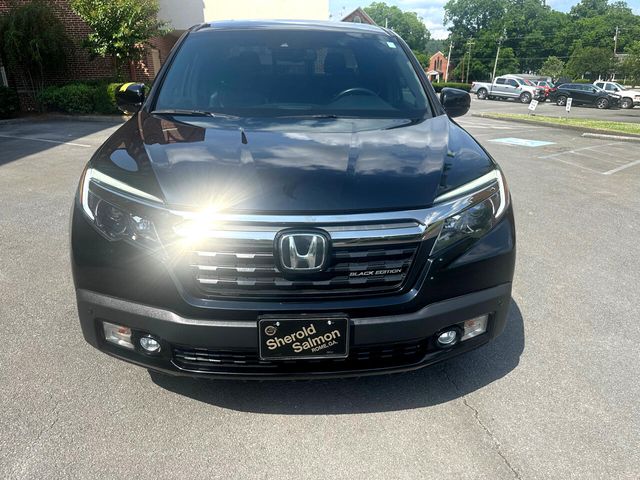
(615, 170)
(575, 150)
(557, 159)
(34, 139)
(578, 152)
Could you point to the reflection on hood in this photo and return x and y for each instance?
(291, 165)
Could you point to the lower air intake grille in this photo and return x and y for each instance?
(360, 359)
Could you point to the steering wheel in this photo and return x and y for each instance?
(354, 90)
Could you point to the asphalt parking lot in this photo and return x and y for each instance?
(554, 397)
(553, 110)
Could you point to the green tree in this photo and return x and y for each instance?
(593, 24)
(631, 64)
(507, 62)
(590, 62)
(120, 28)
(423, 58)
(552, 67)
(406, 24)
(590, 8)
(34, 42)
(534, 31)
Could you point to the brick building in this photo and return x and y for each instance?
(79, 65)
(437, 70)
(359, 16)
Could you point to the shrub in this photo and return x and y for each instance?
(72, 98)
(86, 97)
(106, 98)
(582, 80)
(440, 85)
(9, 103)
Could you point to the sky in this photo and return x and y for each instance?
(432, 11)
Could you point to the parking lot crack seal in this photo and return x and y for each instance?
(47, 428)
(487, 430)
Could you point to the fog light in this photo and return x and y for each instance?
(474, 327)
(448, 338)
(149, 344)
(117, 334)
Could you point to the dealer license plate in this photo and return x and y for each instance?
(303, 337)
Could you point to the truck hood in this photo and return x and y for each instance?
(629, 93)
(292, 165)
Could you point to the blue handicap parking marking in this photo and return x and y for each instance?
(522, 142)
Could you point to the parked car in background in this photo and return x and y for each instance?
(629, 97)
(584, 94)
(508, 86)
(548, 87)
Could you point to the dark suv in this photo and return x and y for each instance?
(584, 94)
(291, 200)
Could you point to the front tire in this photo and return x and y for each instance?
(602, 103)
(561, 101)
(626, 103)
(482, 94)
(525, 97)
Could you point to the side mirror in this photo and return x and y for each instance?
(129, 97)
(455, 102)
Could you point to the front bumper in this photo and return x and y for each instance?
(384, 344)
(540, 95)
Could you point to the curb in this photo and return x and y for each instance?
(560, 126)
(60, 116)
(87, 118)
(611, 137)
(14, 121)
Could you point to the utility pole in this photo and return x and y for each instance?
(495, 65)
(615, 51)
(470, 43)
(446, 72)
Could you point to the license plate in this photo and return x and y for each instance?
(303, 337)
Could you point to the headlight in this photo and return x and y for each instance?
(479, 205)
(112, 219)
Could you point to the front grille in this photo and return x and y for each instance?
(247, 361)
(254, 273)
(365, 260)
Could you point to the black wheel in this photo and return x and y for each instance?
(525, 97)
(482, 94)
(626, 103)
(561, 101)
(602, 103)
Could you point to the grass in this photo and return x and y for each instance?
(586, 123)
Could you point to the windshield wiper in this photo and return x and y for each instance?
(320, 115)
(191, 113)
(177, 111)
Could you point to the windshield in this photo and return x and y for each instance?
(293, 73)
(619, 86)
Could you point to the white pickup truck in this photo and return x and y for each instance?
(628, 97)
(508, 86)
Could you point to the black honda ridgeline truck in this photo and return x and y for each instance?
(291, 200)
